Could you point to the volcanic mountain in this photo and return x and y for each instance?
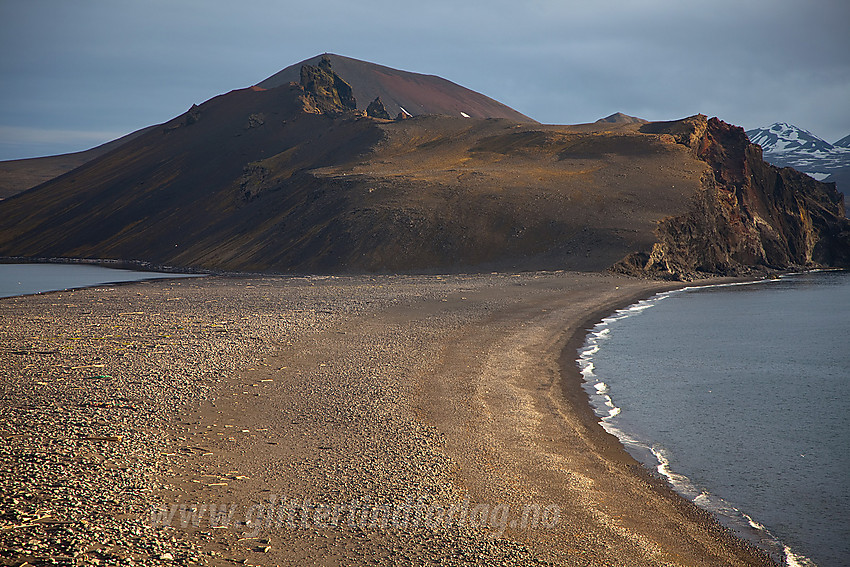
(402, 92)
(399, 92)
(299, 177)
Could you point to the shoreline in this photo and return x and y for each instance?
(705, 495)
(573, 382)
(140, 275)
(375, 390)
(135, 265)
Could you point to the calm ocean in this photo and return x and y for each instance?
(740, 395)
(25, 279)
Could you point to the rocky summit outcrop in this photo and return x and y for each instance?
(748, 215)
(328, 91)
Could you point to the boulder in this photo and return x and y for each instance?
(376, 109)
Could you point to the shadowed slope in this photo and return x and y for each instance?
(21, 174)
(179, 193)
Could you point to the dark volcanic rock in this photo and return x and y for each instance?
(749, 215)
(193, 115)
(376, 109)
(255, 121)
(329, 91)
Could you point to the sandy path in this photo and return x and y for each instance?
(339, 421)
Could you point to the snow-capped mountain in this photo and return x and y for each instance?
(783, 137)
(786, 145)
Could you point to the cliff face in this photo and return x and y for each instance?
(748, 216)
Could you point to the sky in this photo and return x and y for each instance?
(75, 74)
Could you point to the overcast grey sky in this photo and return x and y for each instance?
(74, 74)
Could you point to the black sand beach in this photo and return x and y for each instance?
(392, 420)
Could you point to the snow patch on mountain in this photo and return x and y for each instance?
(786, 145)
(784, 137)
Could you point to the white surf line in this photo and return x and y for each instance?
(681, 484)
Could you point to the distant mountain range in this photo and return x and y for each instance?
(786, 145)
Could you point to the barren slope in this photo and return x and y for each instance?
(294, 179)
(416, 93)
(350, 194)
(21, 174)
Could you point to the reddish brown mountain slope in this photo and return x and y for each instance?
(620, 118)
(748, 213)
(416, 93)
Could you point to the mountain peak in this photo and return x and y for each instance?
(843, 142)
(620, 118)
(401, 92)
(782, 137)
(786, 145)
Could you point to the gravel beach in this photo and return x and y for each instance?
(386, 420)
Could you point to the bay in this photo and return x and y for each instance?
(26, 279)
(739, 395)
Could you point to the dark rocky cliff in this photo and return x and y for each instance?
(748, 216)
(328, 91)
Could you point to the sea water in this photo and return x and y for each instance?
(26, 279)
(740, 396)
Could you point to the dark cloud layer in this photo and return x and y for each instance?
(76, 73)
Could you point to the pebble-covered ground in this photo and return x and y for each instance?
(92, 380)
(298, 421)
